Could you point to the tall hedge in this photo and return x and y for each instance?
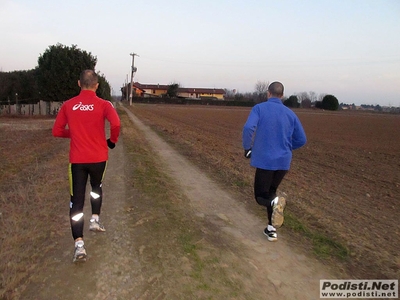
(59, 68)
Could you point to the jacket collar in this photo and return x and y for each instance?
(87, 92)
(275, 100)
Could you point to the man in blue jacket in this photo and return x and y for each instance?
(270, 134)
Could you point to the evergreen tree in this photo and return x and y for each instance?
(330, 102)
(292, 101)
(59, 68)
(104, 90)
(172, 91)
(21, 84)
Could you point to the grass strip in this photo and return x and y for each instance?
(324, 247)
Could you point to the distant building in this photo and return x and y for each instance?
(198, 93)
(158, 90)
(149, 90)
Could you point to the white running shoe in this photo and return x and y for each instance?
(80, 252)
(278, 206)
(96, 226)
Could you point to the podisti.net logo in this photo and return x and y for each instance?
(354, 289)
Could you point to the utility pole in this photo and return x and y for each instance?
(132, 71)
(127, 90)
(16, 104)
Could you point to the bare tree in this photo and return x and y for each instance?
(261, 88)
(321, 97)
(313, 96)
(306, 103)
(229, 94)
(303, 96)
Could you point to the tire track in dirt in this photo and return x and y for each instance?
(282, 272)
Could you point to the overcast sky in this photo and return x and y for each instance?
(348, 48)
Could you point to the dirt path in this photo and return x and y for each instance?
(117, 268)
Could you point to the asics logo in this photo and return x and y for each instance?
(83, 107)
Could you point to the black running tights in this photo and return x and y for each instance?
(78, 176)
(266, 183)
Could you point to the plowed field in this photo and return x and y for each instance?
(345, 183)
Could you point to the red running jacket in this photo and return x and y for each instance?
(82, 119)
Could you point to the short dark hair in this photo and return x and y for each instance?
(276, 89)
(88, 79)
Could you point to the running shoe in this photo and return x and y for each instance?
(80, 252)
(271, 235)
(96, 226)
(278, 206)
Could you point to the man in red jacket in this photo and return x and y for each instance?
(82, 120)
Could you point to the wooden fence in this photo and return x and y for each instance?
(40, 108)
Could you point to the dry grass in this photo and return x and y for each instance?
(33, 196)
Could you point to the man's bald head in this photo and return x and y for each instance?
(88, 80)
(276, 89)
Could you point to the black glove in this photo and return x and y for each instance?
(110, 144)
(247, 153)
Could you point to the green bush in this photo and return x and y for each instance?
(330, 102)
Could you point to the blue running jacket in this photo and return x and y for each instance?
(272, 131)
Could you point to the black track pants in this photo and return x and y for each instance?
(266, 183)
(78, 176)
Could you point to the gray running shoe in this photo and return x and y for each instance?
(277, 213)
(80, 253)
(96, 226)
(271, 235)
